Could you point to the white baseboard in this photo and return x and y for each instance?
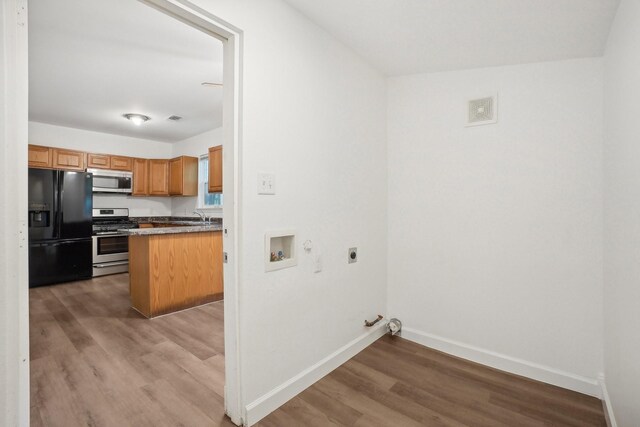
(277, 397)
(606, 403)
(506, 363)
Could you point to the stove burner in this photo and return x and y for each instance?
(111, 220)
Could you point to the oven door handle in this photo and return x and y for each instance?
(111, 233)
(110, 264)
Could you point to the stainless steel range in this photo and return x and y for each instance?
(110, 246)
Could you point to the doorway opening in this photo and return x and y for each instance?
(92, 355)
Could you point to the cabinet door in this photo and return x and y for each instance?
(183, 176)
(40, 157)
(158, 177)
(140, 177)
(190, 176)
(120, 163)
(98, 161)
(176, 168)
(215, 169)
(68, 159)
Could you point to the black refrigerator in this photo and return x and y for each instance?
(60, 246)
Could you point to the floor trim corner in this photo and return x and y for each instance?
(506, 363)
(277, 397)
(606, 403)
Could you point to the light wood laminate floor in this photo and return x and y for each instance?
(395, 382)
(96, 362)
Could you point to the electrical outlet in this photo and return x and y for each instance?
(266, 183)
(353, 255)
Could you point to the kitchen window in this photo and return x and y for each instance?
(206, 200)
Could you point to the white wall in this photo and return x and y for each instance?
(622, 214)
(197, 145)
(495, 232)
(313, 114)
(194, 146)
(98, 142)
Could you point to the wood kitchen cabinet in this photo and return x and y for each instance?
(158, 177)
(215, 169)
(171, 272)
(121, 163)
(151, 177)
(106, 161)
(98, 161)
(40, 157)
(68, 159)
(183, 176)
(140, 177)
(56, 158)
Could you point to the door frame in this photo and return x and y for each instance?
(14, 268)
(15, 391)
(231, 38)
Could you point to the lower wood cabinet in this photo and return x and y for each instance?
(140, 177)
(183, 176)
(40, 157)
(171, 272)
(158, 177)
(215, 169)
(68, 159)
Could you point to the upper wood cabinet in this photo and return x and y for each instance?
(56, 158)
(183, 176)
(106, 161)
(68, 159)
(140, 177)
(151, 177)
(121, 163)
(215, 169)
(40, 157)
(98, 161)
(158, 177)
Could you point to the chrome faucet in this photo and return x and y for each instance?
(202, 216)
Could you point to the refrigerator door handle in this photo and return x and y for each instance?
(56, 205)
(60, 200)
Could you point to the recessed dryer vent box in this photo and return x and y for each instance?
(279, 250)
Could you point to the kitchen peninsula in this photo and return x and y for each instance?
(174, 266)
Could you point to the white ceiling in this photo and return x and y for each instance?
(90, 61)
(402, 37)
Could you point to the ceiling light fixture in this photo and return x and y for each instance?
(209, 84)
(136, 119)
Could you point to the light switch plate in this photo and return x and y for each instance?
(266, 183)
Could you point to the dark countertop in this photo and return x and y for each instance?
(170, 219)
(172, 230)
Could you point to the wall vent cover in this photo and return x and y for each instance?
(482, 111)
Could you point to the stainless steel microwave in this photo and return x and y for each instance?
(109, 181)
